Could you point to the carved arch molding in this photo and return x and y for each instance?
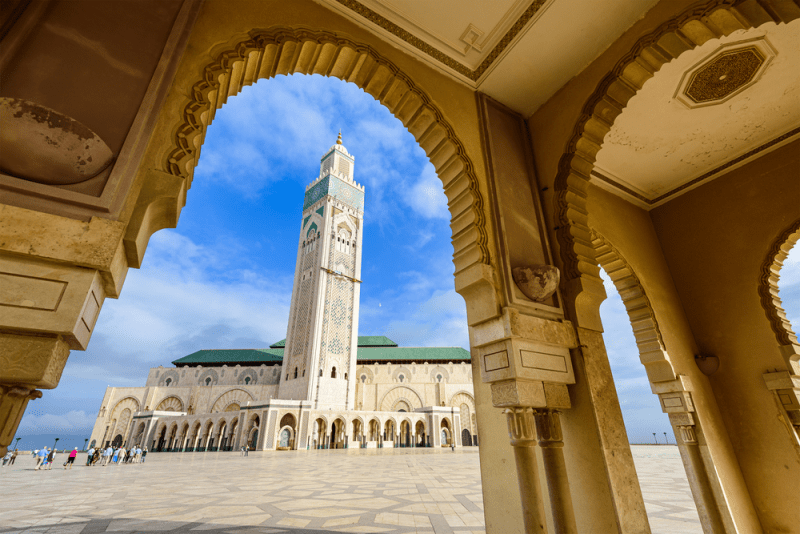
(265, 54)
(688, 30)
(768, 285)
(652, 351)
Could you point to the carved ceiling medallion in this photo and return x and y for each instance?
(724, 73)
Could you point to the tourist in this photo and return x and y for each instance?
(50, 459)
(121, 456)
(95, 456)
(90, 456)
(144, 453)
(71, 458)
(107, 455)
(13, 457)
(6, 458)
(41, 457)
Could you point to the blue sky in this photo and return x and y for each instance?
(223, 278)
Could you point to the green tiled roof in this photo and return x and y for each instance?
(363, 341)
(231, 356)
(384, 354)
(409, 354)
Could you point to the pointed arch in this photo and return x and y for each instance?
(280, 50)
(768, 291)
(690, 29)
(652, 352)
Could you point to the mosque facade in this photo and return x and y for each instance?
(324, 386)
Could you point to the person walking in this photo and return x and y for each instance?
(14, 457)
(95, 456)
(6, 458)
(107, 455)
(71, 458)
(50, 459)
(90, 456)
(144, 453)
(41, 458)
(121, 456)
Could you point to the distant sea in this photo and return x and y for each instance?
(37, 441)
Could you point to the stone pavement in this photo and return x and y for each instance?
(398, 491)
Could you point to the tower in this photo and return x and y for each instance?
(319, 360)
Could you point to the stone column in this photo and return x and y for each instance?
(521, 430)
(26, 364)
(701, 485)
(548, 428)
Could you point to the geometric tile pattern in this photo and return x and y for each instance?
(398, 491)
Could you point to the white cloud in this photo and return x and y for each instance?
(185, 290)
(73, 422)
(426, 196)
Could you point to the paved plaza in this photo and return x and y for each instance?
(361, 490)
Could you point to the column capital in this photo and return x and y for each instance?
(521, 426)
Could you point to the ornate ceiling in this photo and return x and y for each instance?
(516, 51)
(711, 110)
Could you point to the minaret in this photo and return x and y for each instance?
(319, 361)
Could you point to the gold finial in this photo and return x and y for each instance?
(339, 140)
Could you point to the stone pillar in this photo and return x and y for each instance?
(26, 364)
(521, 429)
(548, 428)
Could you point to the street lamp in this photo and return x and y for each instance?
(666, 439)
(655, 438)
(85, 441)
(55, 443)
(16, 445)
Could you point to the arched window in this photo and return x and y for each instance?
(345, 376)
(168, 382)
(208, 381)
(320, 372)
(247, 380)
(363, 379)
(400, 378)
(438, 378)
(333, 372)
(295, 372)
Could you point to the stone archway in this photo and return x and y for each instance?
(780, 382)
(684, 32)
(264, 54)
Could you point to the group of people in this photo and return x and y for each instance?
(10, 457)
(114, 455)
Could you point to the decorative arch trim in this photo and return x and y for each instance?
(398, 393)
(267, 53)
(652, 351)
(688, 30)
(239, 396)
(134, 400)
(168, 402)
(462, 393)
(768, 286)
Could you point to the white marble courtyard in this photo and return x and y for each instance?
(375, 491)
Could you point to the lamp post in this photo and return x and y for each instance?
(666, 439)
(55, 443)
(655, 438)
(16, 445)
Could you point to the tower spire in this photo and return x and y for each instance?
(339, 140)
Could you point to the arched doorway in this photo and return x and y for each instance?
(419, 435)
(319, 434)
(286, 434)
(117, 441)
(466, 438)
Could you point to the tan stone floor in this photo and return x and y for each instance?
(394, 491)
